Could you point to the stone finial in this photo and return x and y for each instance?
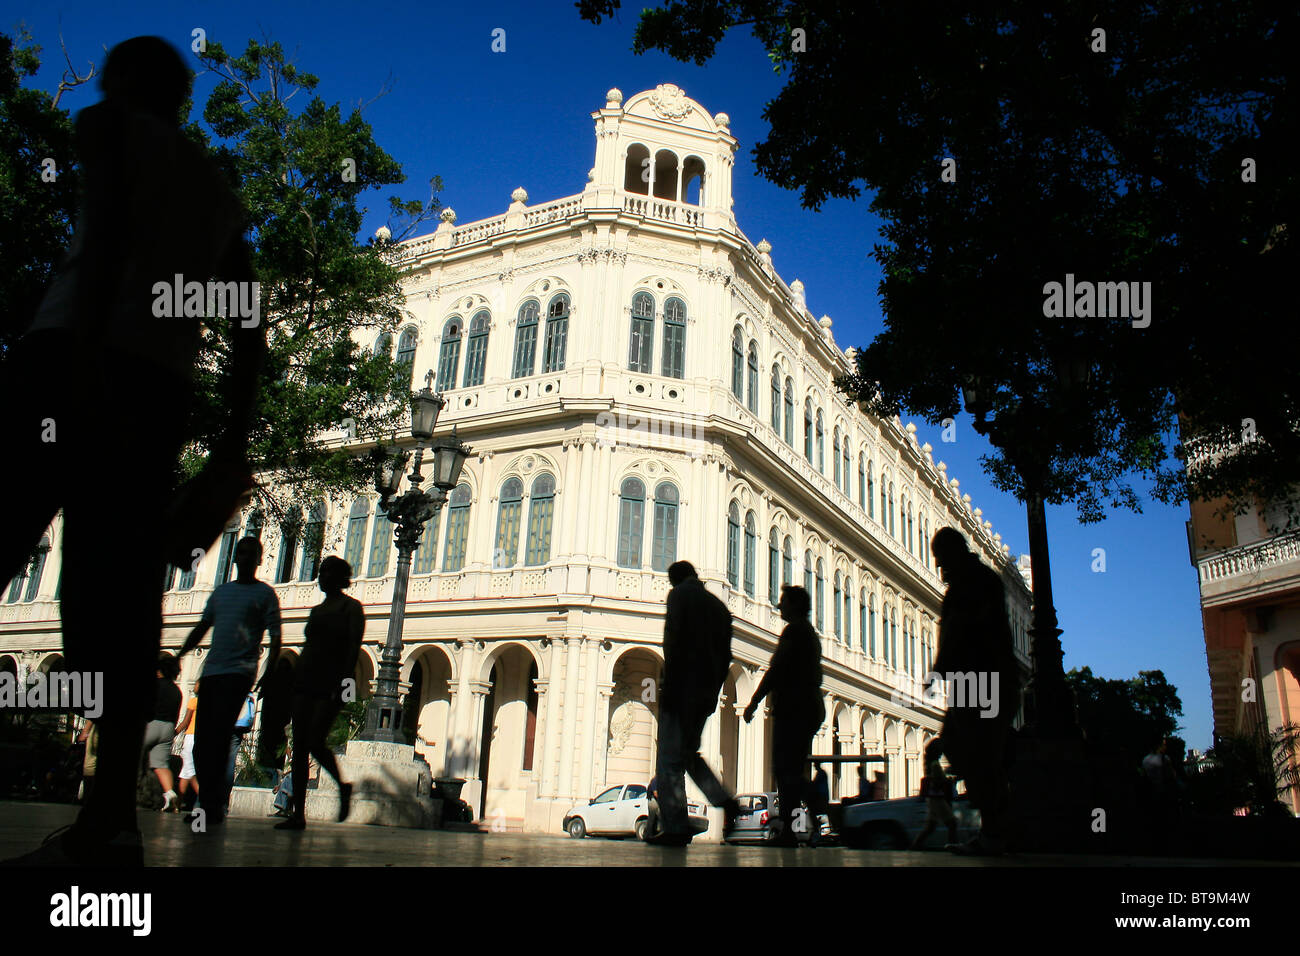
(723, 121)
(825, 322)
(800, 300)
(997, 538)
(942, 466)
(764, 248)
(448, 216)
(383, 234)
(851, 353)
(614, 99)
(591, 175)
(988, 526)
(927, 448)
(520, 195)
(978, 512)
(966, 500)
(911, 430)
(955, 483)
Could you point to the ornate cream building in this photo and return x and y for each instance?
(639, 386)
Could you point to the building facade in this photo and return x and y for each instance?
(639, 386)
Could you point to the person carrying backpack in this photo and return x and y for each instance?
(697, 656)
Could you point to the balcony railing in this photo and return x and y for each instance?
(1250, 558)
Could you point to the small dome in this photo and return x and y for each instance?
(765, 247)
(723, 120)
(613, 98)
(383, 234)
(520, 195)
(927, 448)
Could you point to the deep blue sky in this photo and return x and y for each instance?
(488, 122)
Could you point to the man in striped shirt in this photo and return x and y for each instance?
(237, 613)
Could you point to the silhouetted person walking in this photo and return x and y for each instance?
(975, 648)
(162, 729)
(794, 680)
(697, 656)
(237, 613)
(937, 792)
(153, 206)
(333, 640)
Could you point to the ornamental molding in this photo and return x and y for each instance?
(670, 102)
(722, 275)
(592, 254)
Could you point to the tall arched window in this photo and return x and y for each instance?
(313, 543)
(557, 334)
(355, 542)
(776, 399)
(821, 596)
(787, 561)
(290, 538)
(476, 351)
(884, 632)
(641, 347)
(821, 444)
(848, 611)
(674, 338)
(406, 352)
(426, 552)
(449, 353)
(751, 553)
(526, 339)
(835, 456)
(631, 518)
(891, 510)
(902, 512)
(751, 401)
(869, 640)
(663, 548)
(789, 412)
(37, 568)
(925, 541)
(541, 511)
(453, 553)
(738, 364)
(773, 566)
(226, 553)
(844, 466)
(871, 490)
(835, 608)
(808, 430)
(808, 572)
(862, 480)
(893, 635)
(911, 536)
(381, 544)
(384, 345)
(733, 544)
(509, 512)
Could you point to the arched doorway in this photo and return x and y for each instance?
(729, 733)
(509, 725)
(633, 718)
(428, 709)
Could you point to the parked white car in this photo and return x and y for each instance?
(619, 811)
(894, 824)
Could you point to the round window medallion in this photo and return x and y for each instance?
(528, 463)
(546, 286)
(469, 303)
(640, 389)
(517, 393)
(672, 393)
(659, 285)
(652, 468)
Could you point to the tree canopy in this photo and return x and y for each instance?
(1009, 147)
(1126, 718)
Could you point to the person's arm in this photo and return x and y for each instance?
(272, 624)
(674, 622)
(764, 686)
(200, 629)
(184, 725)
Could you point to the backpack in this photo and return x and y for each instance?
(245, 722)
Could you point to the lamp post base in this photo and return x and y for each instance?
(391, 787)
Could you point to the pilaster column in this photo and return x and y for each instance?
(600, 735)
(568, 733)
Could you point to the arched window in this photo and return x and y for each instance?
(808, 572)
(509, 511)
(631, 517)
(313, 543)
(426, 552)
(821, 596)
(821, 444)
(526, 339)
(636, 174)
(776, 399)
(406, 352)
(773, 566)
(848, 611)
(752, 395)
(893, 635)
(835, 455)
(884, 632)
(865, 624)
(862, 480)
(453, 553)
(355, 543)
(663, 549)
(449, 354)
(290, 538)
(733, 544)
(884, 510)
(557, 334)
(870, 638)
(674, 338)
(381, 545)
(787, 561)
(789, 412)
(476, 351)
(254, 529)
(226, 553)
(891, 510)
(925, 541)
(541, 510)
(738, 364)
(871, 491)
(751, 553)
(37, 568)
(902, 512)
(808, 430)
(844, 466)
(384, 345)
(692, 180)
(641, 348)
(911, 537)
(835, 608)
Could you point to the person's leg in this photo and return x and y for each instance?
(322, 714)
(671, 773)
(220, 699)
(301, 709)
(698, 768)
(787, 764)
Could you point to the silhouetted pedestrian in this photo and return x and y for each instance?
(189, 780)
(153, 206)
(162, 729)
(937, 792)
(334, 632)
(975, 650)
(237, 613)
(697, 656)
(1161, 794)
(794, 680)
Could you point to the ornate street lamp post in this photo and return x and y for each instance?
(409, 513)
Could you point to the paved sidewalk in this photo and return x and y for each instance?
(244, 841)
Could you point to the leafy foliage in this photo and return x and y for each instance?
(1255, 770)
(1125, 718)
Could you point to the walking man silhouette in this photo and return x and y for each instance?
(975, 645)
(697, 656)
(153, 206)
(794, 680)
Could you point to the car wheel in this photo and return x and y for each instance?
(641, 826)
(577, 829)
(885, 838)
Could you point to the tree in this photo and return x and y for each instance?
(1125, 719)
(1112, 142)
(1253, 769)
(301, 175)
(39, 205)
